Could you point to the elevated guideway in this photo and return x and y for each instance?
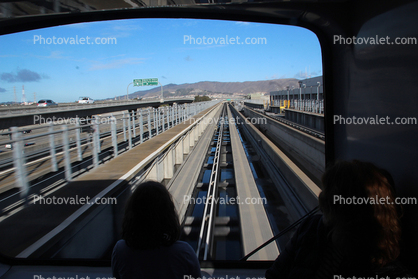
(183, 157)
(305, 150)
(57, 224)
(253, 218)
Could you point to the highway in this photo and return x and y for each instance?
(28, 115)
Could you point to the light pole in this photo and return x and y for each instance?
(303, 105)
(303, 86)
(127, 98)
(300, 89)
(293, 96)
(317, 91)
(288, 97)
(162, 94)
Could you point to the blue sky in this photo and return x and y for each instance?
(150, 48)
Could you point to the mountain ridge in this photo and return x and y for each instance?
(217, 87)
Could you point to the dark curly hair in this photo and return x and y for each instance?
(150, 219)
(370, 229)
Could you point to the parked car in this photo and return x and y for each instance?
(46, 103)
(85, 100)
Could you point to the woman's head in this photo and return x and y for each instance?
(359, 206)
(150, 218)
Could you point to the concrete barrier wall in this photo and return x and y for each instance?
(254, 105)
(163, 167)
(308, 119)
(306, 151)
(306, 189)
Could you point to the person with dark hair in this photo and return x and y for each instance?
(150, 246)
(358, 234)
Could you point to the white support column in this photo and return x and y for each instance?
(149, 124)
(155, 121)
(173, 117)
(179, 153)
(97, 130)
(133, 122)
(114, 136)
(157, 171)
(177, 114)
(152, 175)
(160, 170)
(94, 147)
(19, 163)
(168, 165)
(78, 140)
(141, 126)
(186, 144)
(54, 165)
(168, 117)
(158, 119)
(67, 160)
(192, 136)
(163, 119)
(124, 126)
(129, 131)
(201, 127)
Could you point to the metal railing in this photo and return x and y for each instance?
(98, 130)
(315, 106)
(15, 110)
(308, 105)
(206, 235)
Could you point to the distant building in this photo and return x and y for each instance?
(258, 96)
(310, 88)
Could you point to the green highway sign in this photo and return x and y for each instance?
(146, 82)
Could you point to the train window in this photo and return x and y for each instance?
(261, 83)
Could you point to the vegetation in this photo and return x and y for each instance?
(199, 98)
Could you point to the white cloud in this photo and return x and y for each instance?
(115, 64)
(54, 55)
(121, 31)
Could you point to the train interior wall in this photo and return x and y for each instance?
(380, 80)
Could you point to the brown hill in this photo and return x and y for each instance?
(213, 87)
